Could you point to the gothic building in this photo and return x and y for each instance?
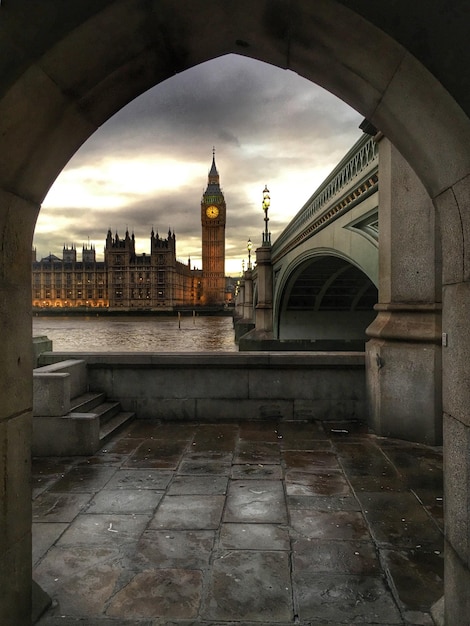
(129, 281)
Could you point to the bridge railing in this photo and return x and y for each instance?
(358, 163)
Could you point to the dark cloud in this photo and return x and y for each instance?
(268, 126)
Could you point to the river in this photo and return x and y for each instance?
(137, 334)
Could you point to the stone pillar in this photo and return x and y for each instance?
(239, 302)
(245, 323)
(403, 355)
(248, 303)
(454, 207)
(17, 219)
(264, 308)
(261, 337)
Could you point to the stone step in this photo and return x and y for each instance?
(86, 402)
(107, 410)
(117, 422)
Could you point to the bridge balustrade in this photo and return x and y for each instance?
(359, 164)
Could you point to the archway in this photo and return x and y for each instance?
(327, 302)
(70, 66)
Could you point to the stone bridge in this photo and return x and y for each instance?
(325, 263)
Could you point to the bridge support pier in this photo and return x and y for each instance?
(245, 323)
(263, 330)
(403, 354)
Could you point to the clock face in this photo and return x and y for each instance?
(212, 212)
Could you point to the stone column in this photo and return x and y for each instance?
(239, 302)
(248, 303)
(453, 205)
(17, 218)
(403, 355)
(264, 308)
(245, 323)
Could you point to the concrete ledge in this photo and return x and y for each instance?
(76, 368)
(226, 360)
(219, 386)
(51, 393)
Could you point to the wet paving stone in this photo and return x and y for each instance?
(301, 429)
(383, 507)
(104, 529)
(324, 503)
(316, 484)
(172, 593)
(259, 431)
(405, 534)
(59, 507)
(140, 479)
(338, 430)
(251, 585)
(310, 461)
(252, 452)
(215, 437)
(257, 471)
(125, 501)
(189, 512)
(81, 579)
(377, 482)
(109, 458)
(433, 502)
(254, 537)
(153, 453)
(198, 485)
(44, 537)
(346, 600)
(346, 525)
(256, 501)
(180, 549)
(121, 446)
(52, 465)
(204, 467)
(312, 556)
(83, 479)
(418, 576)
(364, 459)
(168, 431)
(225, 545)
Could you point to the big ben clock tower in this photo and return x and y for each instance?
(213, 218)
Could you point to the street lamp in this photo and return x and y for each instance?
(249, 246)
(266, 203)
(243, 266)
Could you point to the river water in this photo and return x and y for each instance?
(137, 334)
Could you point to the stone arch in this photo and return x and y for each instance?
(67, 67)
(318, 316)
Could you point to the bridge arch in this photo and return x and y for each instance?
(66, 67)
(325, 298)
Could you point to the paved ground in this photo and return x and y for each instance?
(240, 524)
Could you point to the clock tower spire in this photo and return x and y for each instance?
(213, 219)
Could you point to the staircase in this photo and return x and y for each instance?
(69, 420)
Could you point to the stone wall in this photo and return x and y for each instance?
(208, 386)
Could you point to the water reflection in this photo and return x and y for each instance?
(131, 334)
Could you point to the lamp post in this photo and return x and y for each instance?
(243, 266)
(249, 246)
(266, 203)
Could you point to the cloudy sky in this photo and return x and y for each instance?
(148, 165)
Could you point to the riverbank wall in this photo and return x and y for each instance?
(229, 386)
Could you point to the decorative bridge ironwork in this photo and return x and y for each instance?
(353, 179)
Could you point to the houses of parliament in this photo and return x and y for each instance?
(127, 281)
